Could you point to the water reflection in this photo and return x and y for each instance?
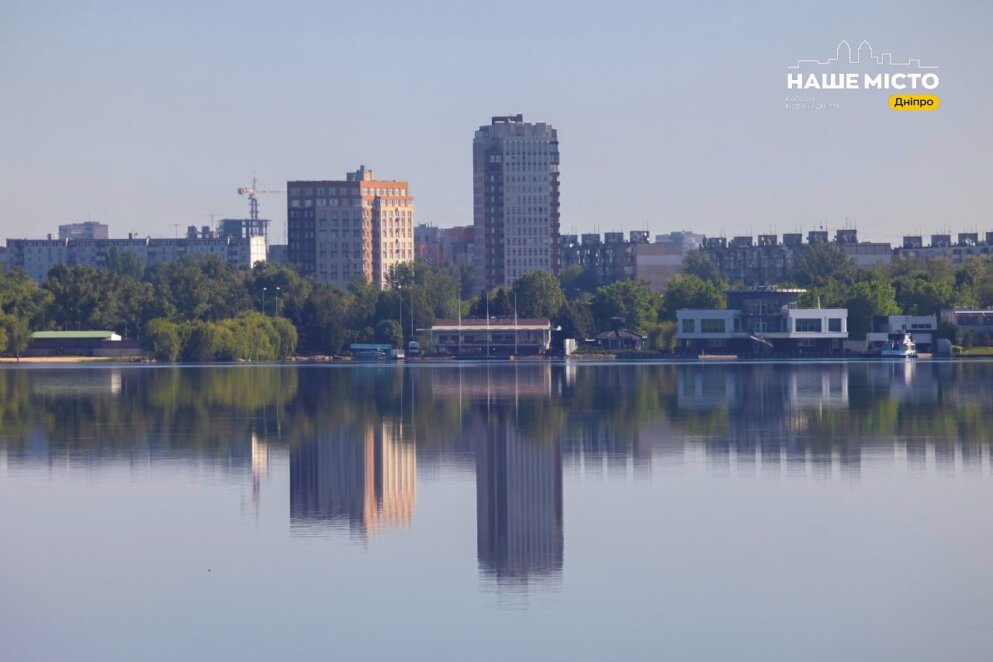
(360, 476)
(357, 439)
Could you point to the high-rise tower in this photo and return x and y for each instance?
(515, 199)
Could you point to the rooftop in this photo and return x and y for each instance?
(72, 335)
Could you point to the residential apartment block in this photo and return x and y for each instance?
(515, 168)
(437, 245)
(38, 256)
(359, 227)
(84, 230)
(769, 261)
(967, 244)
(612, 257)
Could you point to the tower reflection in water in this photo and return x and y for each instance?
(359, 476)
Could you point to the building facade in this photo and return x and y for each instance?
(969, 321)
(612, 257)
(493, 337)
(39, 256)
(515, 200)
(437, 245)
(766, 260)
(922, 328)
(84, 230)
(967, 244)
(762, 321)
(359, 227)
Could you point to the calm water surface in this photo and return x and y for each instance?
(533, 512)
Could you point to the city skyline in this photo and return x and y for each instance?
(682, 105)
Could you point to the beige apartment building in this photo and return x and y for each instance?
(339, 230)
(515, 168)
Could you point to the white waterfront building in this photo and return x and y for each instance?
(763, 320)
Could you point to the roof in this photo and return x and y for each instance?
(497, 323)
(71, 335)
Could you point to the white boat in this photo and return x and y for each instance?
(899, 345)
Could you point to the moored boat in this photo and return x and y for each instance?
(899, 345)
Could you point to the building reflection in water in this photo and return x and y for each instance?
(362, 476)
(519, 529)
(518, 503)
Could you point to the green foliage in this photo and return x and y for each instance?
(389, 331)
(869, 298)
(538, 294)
(162, 339)
(817, 263)
(662, 336)
(691, 292)
(697, 263)
(574, 280)
(576, 320)
(635, 302)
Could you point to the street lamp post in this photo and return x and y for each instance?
(277, 302)
(263, 300)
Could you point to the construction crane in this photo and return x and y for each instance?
(253, 201)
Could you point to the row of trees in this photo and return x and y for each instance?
(199, 308)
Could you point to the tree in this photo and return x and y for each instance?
(816, 263)
(576, 320)
(574, 280)
(697, 263)
(867, 299)
(500, 304)
(925, 296)
(635, 302)
(161, 338)
(691, 292)
(389, 331)
(662, 336)
(538, 294)
(15, 335)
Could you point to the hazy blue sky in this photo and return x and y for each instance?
(670, 116)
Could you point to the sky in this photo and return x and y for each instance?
(670, 116)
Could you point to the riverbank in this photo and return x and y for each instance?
(67, 359)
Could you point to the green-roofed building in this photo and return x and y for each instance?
(75, 335)
(81, 343)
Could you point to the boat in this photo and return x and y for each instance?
(899, 345)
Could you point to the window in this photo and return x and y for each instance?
(712, 326)
(834, 325)
(689, 326)
(808, 326)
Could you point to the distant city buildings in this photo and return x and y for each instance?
(968, 244)
(515, 200)
(84, 230)
(614, 258)
(278, 254)
(688, 241)
(244, 228)
(360, 227)
(437, 245)
(39, 256)
(769, 261)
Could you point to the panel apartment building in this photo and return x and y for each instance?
(38, 256)
(515, 169)
(359, 227)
